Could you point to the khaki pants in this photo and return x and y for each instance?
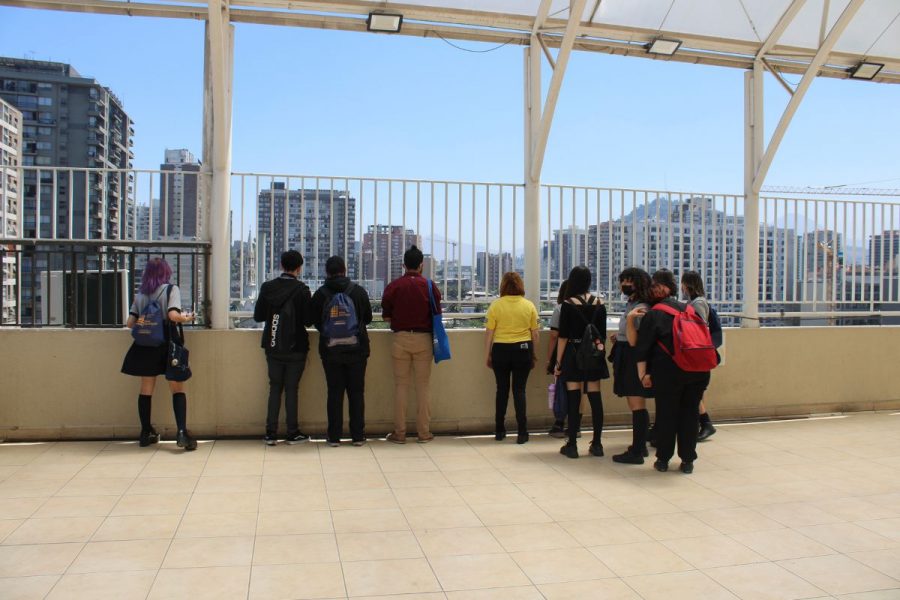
(412, 351)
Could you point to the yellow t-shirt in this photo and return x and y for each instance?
(512, 318)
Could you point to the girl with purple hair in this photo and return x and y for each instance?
(149, 362)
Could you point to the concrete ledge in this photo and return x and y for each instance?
(65, 384)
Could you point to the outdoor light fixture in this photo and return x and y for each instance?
(663, 46)
(865, 70)
(384, 23)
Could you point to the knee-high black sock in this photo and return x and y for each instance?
(573, 398)
(144, 411)
(640, 421)
(596, 414)
(179, 405)
(704, 418)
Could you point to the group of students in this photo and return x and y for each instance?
(642, 354)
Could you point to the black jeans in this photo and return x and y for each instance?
(350, 378)
(284, 376)
(511, 360)
(677, 413)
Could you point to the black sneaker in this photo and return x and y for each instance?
(706, 431)
(296, 438)
(569, 450)
(595, 449)
(629, 458)
(661, 465)
(359, 443)
(270, 439)
(557, 432)
(522, 437)
(185, 440)
(687, 467)
(500, 436)
(332, 443)
(642, 452)
(149, 437)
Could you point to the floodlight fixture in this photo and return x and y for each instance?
(866, 70)
(664, 46)
(384, 22)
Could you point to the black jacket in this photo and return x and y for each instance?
(656, 329)
(360, 302)
(272, 295)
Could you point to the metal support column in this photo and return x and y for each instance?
(532, 183)
(753, 150)
(217, 110)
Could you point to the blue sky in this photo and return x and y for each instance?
(338, 103)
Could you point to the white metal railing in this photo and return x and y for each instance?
(832, 259)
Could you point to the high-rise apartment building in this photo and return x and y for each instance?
(884, 250)
(181, 212)
(489, 269)
(381, 260)
(317, 223)
(10, 152)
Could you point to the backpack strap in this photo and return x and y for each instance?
(666, 308)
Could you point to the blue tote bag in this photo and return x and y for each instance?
(439, 334)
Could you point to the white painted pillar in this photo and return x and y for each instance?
(532, 55)
(217, 111)
(753, 151)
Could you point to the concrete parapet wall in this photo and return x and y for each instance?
(66, 384)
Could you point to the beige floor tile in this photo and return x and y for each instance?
(838, 574)
(104, 586)
(234, 468)
(407, 465)
(151, 504)
(217, 525)
(28, 588)
(856, 509)
(602, 532)
(96, 487)
(600, 589)
(294, 523)
(277, 582)
(515, 513)
(441, 517)
(695, 500)
(641, 558)
(7, 526)
(476, 477)
(225, 503)
(478, 571)
(688, 585)
(508, 593)
(337, 482)
(362, 499)
(668, 527)
(42, 559)
(382, 577)
(209, 552)
(886, 561)
(293, 501)
(385, 545)
(163, 485)
(42, 488)
(492, 494)
(169, 468)
(422, 479)
(536, 536)
(541, 476)
(54, 530)
(19, 508)
(77, 506)
(877, 595)
(293, 483)
(713, 551)
(889, 528)
(458, 541)
(111, 471)
(847, 537)
(212, 583)
(137, 527)
(227, 485)
(782, 544)
(360, 521)
(764, 581)
(737, 520)
(634, 505)
(797, 514)
(424, 596)
(571, 564)
(471, 462)
(295, 549)
(430, 496)
(134, 555)
(577, 509)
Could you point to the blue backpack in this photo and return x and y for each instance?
(340, 325)
(150, 330)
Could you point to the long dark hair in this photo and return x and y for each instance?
(579, 281)
(693, 282)
(665, 278)
(563, 294)
(640, 280)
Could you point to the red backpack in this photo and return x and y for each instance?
(694, 349)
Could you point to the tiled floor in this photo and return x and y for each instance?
(773, 511)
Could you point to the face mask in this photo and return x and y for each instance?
(628, 290)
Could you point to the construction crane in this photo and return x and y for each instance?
(833, 190)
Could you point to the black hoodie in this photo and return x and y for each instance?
(271, 296)
(360, 301)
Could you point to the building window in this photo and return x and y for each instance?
(42, 101)
(46, 146)
(43, 161)
(45, 86)
(44, 131)
(26, 102)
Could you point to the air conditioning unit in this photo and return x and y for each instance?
(85, 298)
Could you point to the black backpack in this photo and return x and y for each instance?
(589, 355)
(283, 328)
